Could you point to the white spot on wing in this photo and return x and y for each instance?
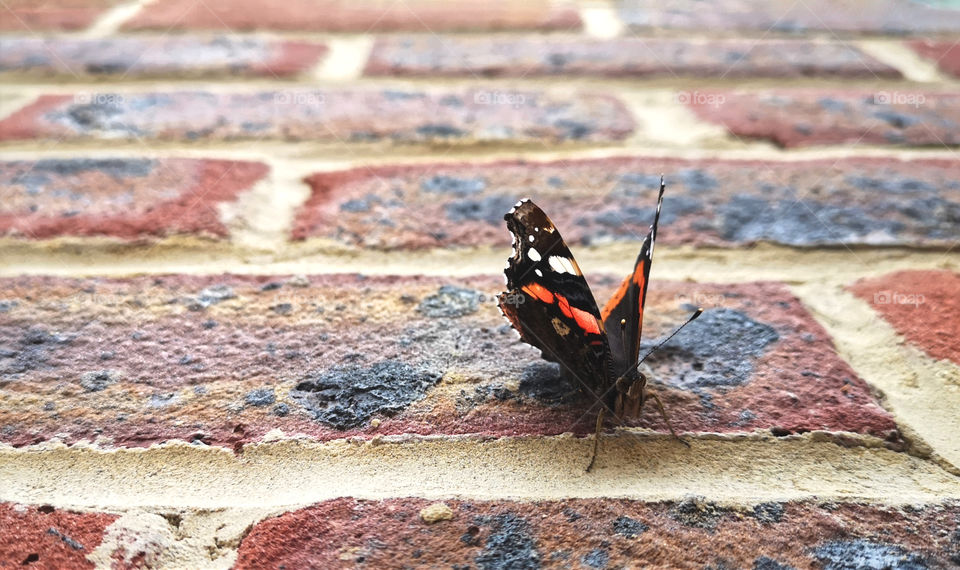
(538, 272)
(562, 265)
(533, 254)
(532, 239)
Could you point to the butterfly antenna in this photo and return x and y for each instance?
(692, 318)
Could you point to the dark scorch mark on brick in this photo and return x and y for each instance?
(802, 222)
(765, 563)
(489, 209)
(863, 554)
(348, 396)
(628, 527)
(698, 512)
(715, 350)
(542, 381)
(260, 397)
(510, 546)
(450, 302)
(453, 185)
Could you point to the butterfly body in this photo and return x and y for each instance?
(553, 309)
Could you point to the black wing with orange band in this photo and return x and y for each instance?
(549, 302)
(623, 314)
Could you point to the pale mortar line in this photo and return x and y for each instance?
(600, 19)
(345, 60)
(87, 257)
(268, 475)
(922, 392)
(202, 539)
(109, 23)
(262, 217)
(898, 55)
(11, 102)
(293, 153)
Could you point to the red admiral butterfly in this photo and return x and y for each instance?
(550, 304)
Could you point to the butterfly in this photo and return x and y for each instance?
(550, 304)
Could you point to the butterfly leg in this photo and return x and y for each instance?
(596, 439)
(663, 413)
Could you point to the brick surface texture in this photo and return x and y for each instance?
(226, 360)
(30, 16)
(924, 306)
(157, 56)
(251, 253)
(895, 17)
(334, 116)
(376, 16)
(716, 203)
(605, 534)
(633, 57)
(818, 117)
(124, 198)
(946, 54)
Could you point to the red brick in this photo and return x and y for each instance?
(946, 54)
(225, 359)
(334, 116)
(627, 57)
(727, 203)
(923, 306)
(343, 16)
(606, 533)
(32, 16)
(47, 537)
(121, 197)
(802, 117)
(788, 17)
(178, 56)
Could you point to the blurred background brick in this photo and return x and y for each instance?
(177, 56)
(728, 203)
(364, 17)
(120, 197)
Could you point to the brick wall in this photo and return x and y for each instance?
(250, 258)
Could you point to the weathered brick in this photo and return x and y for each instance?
(626, 57)
(725, 203)
(946, 54)
(786, 16)
(333, 116)
(120, 197)
(225, 359)
(178, 56)
(339, 16)
(923, 306)
(607, 533)
(816, 116)
(48, 537)
(32, 16)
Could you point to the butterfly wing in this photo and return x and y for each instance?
(549, 302)
(623, 314)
